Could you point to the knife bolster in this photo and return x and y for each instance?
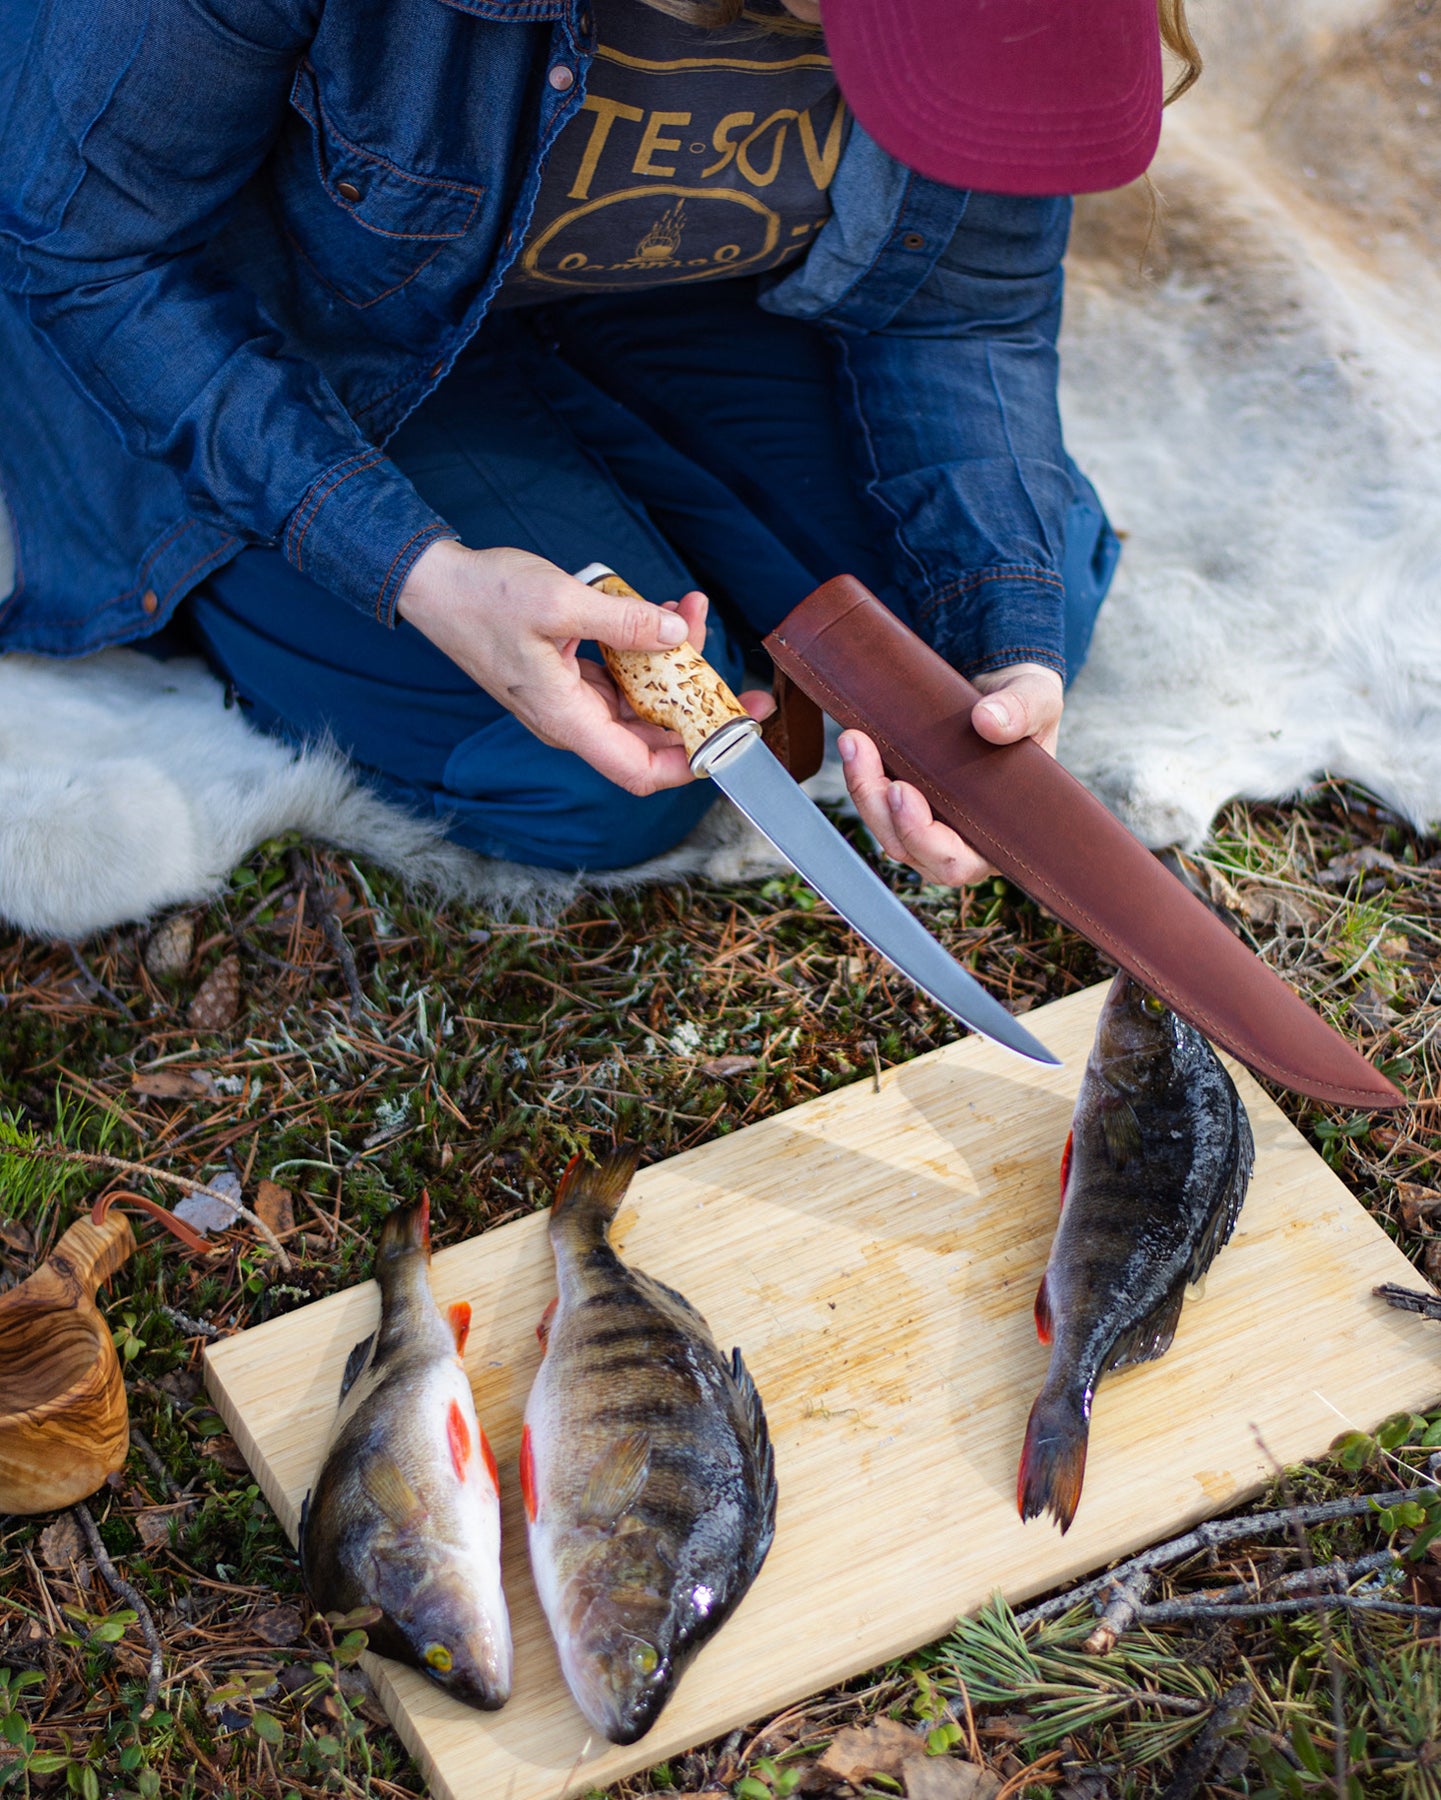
(733, 732)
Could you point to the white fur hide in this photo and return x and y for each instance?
(1260, 412)
(126, 786)
(1256, 391)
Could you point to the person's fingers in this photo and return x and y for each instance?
(1020, 702)
(639, 757)
(694, 608)
(868, 785)
(901, 821)
(930, 847)
(760, 703)
(570, 609)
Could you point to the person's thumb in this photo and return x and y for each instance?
(1028, 705)
(633, 624)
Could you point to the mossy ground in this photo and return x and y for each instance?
(490, 1052)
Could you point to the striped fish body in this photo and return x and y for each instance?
(646, 1470)
(1155, 1171)
(405, 1512)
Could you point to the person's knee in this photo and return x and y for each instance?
(618, 829)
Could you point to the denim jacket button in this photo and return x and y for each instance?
(347, 191)
(149, 601)
(561, 77)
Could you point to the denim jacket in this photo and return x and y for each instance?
(241, 239)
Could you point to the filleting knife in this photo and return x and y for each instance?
(679, 689)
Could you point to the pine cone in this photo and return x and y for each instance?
(217, 1000)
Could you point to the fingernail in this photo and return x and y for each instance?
(846, 744)
(671, 629)
(997, 712)
(895, 799)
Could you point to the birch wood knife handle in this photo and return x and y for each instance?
(677, 689)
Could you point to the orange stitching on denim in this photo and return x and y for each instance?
(1002, 659)
(339, 481)
(307, 505)
(436, 181)
(434, 529)
(180, 580)
(340, 294)
(968, 584)
(152, 556)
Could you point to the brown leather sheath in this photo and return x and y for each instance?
(1021, 810)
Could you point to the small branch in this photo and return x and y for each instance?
(80, 1512)
(1341, 1761)
(1409, 1300)
(307, 879)
(1165, 1610)
(1124, 1608)
(1207, 1748)
(94, 986)
(1214, 1533)
(192, 1327)
(1330, 1577)
(93, 1159)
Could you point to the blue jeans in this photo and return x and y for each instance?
(688, 440)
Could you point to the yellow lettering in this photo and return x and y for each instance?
(759, 177)
(822, 163)
(653, 141)
(721, 140)
(606, 112)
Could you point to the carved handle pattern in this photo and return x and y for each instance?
(89, 1254)
(674, 688)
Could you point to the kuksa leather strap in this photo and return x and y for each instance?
(1022, 811)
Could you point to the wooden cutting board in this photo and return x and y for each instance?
(876, 1254)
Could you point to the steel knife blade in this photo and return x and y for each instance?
(679, 689)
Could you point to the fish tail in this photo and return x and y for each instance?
(588, 1195)
(1053, 1461)
(405, 1232)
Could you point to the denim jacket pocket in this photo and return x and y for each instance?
(363, 225)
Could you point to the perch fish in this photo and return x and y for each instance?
(1152, 1179)
(645, 1468)
(405, 1512)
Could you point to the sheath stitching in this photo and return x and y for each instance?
(842, 710)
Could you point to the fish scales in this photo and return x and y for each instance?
(646, 1467)
(404, 1514)
(1155, 1171)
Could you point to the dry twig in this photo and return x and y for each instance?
(305, 877)
(1211, 1535)
(80, 1512)
(94, 1159)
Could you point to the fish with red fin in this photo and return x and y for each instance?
(1152, 1179)
(645, 1467)
(405, 1512)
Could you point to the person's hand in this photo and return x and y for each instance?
(1024, 700)
(514, 621)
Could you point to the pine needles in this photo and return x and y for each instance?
(37, 1189)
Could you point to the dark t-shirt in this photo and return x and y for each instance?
(697, 154)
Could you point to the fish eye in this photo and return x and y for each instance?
(1153, 1004)
(438, 1658)
(643, 1659)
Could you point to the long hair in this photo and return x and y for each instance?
(1176, 36)
(712, 14)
